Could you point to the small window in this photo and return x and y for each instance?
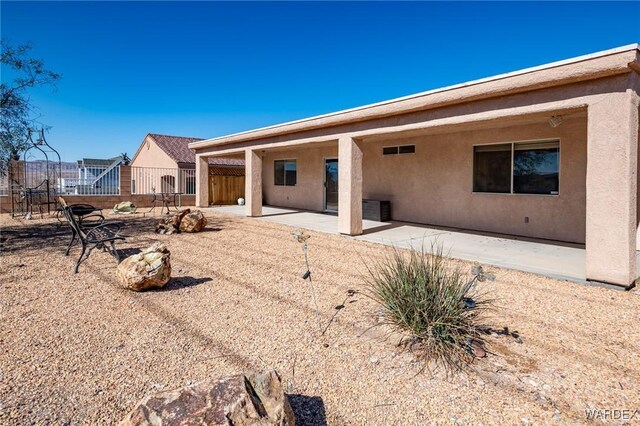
(285, 173)
(389, 150)
(407, 149)
(402, 149)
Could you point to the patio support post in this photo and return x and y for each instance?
(202, 181)
(253, 183)
(612, 164)
(349, 187)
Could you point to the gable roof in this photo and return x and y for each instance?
(177, 148)
(98, 162)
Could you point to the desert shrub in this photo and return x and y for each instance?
(433, 305)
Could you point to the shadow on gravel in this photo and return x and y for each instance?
(126, 252)
(177, 283)
(308, 410)
(54, 235)
(39, 236)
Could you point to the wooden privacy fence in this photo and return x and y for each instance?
(225, 187)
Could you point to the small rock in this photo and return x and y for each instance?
(477, 349)
(374, 360)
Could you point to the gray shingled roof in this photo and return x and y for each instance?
(177, 147)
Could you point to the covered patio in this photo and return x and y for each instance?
(542, 257)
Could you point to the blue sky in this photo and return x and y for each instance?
(207, 69)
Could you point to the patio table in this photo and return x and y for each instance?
(166, 199)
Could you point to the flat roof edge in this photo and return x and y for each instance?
(221, 139)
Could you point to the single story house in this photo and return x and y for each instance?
(165, 163)
(549, 152)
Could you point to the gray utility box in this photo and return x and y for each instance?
(376, 210)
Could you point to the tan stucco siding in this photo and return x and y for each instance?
(151, 155)
(309, 191)
(434, 185)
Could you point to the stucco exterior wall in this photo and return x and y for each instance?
(308, 193)
(151, 155)
(434, 185)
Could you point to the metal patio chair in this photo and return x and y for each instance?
(92, 233)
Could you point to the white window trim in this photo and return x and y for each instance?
(285, 171)
(513, 143)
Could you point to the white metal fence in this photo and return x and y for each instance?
(65, 178)
(92, 181)
(150, 180)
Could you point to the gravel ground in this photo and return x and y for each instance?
(77, 349)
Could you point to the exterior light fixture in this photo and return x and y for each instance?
(555, 120)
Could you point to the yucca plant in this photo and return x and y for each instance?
(434, 306)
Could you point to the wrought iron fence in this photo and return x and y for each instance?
(151, 180)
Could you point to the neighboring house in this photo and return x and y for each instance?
(96, 176)
(165, 163)
(548, 152)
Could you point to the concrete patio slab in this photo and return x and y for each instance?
(547, 258)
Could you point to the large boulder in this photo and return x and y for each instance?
(193, 222)
(170, 224)
(255, 399)
(148, 269)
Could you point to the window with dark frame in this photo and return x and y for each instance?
(285, 173)
(399, 149)
(517, 168)
(407, 149)
(389, 150)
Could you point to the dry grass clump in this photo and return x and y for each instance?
(433, 305)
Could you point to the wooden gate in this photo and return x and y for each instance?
(225, 189)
